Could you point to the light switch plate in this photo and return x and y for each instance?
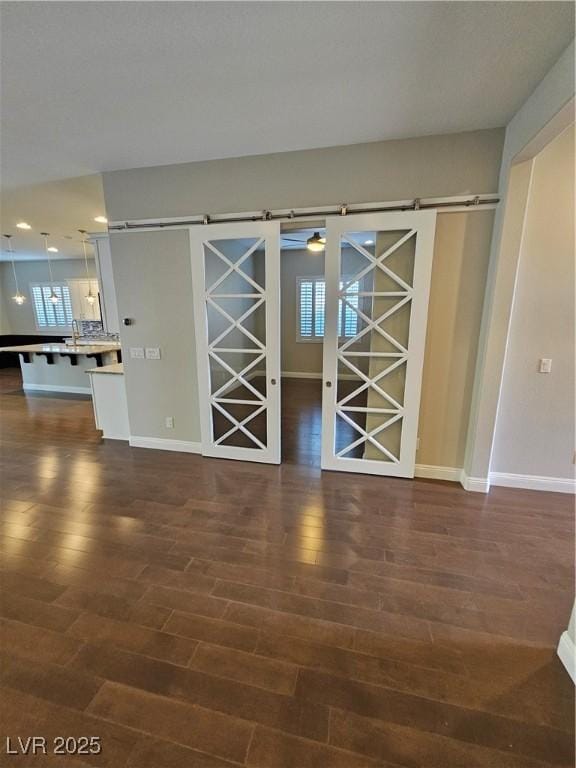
(153, 353)
(545, 365)
(137, 353)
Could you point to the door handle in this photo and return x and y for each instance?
(273, 381)
(328, 384)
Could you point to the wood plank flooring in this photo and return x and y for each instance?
(201, 613)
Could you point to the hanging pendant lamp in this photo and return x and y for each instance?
(18, 297)
(90, 298)
(53, 297)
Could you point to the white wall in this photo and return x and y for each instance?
(535, 426)
(549, 103)
(20, 319)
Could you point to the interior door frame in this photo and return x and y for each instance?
(423, 223)
(269, 231)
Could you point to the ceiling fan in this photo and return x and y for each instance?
(316, 243)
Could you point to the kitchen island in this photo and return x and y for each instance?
(62, 367)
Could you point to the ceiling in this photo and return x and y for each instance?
(60, 208)
(91, 86)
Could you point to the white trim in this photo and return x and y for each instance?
(163, 444)
(534, 482)
(311, 375)
(315, 212)
(511, 313)
(57, 388)
(301, 375)
(567, 654)
(476, 484)
(437, 473)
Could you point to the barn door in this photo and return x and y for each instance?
(235, 274)
(377, 285)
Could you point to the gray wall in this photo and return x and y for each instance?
(430, 166)
(535, 427)
(20, 319)
(153, 276)
(304, 357)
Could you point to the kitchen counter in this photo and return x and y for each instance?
(61, 367)
(117, 368)
(66, 349)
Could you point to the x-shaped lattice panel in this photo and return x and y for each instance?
(348, 348)
(214, 294)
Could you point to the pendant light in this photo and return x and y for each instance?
(316, 243)
(53, 298)
(90, 298)
(18, 297)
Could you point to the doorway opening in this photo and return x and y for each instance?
(303, 325)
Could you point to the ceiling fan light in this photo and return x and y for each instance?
(53, 298)
(19, 298)
(315, 243)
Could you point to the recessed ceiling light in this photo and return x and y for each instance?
(53, 249)
(23, 225)
(101, 219)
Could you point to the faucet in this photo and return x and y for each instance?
(75, 332)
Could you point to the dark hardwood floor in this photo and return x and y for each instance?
(202, 613)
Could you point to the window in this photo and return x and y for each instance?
(311, 302)
(50, 315)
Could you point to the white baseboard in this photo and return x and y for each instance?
(567, 654)
(312, 375)
(57, 388)
(290, 375)
(162, 444)
(534, 482)
(476, 484)
(301, 375)
(437, 473)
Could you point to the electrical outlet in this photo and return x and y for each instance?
(153, 353)
(137, 353)
(169, 422)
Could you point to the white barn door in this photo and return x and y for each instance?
(236, 282)
(378, 269)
